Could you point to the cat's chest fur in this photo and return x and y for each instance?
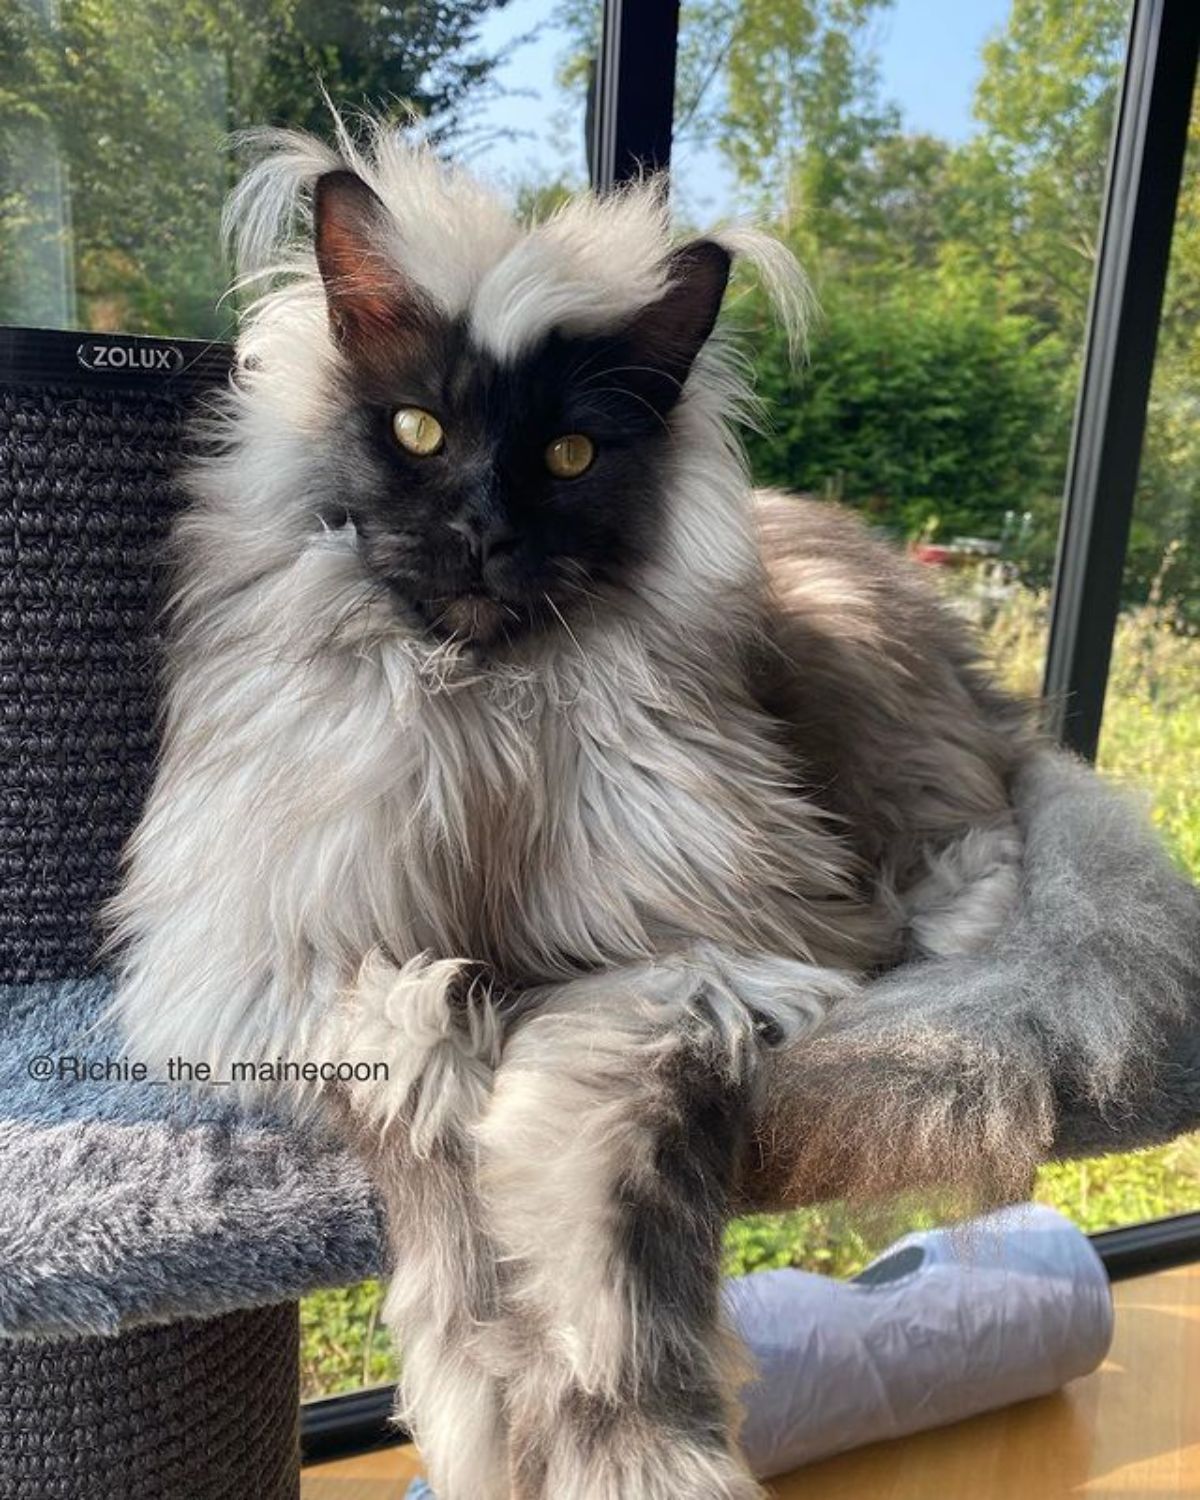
(596, 815)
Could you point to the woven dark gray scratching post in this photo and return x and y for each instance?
(152, 1244)
(198, 1410)
(85, 501)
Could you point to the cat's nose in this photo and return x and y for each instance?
(486, 536)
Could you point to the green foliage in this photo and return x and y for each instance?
(955, 281)
(821, 1238)
(1115, 1190)
(1151, 737)
(800, 108)
(919, 404)
(788, 93)
(343, 1345)
(1168, 505)
(1032, 182)
(537, 201)
(974, 259)
(116, 117)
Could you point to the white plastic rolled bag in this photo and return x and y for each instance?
(943, 1325)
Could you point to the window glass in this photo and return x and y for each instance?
(1150, 738)
(939, 167)
(117, 116)
(343, 1343)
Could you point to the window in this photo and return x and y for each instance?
(1150, 739)
(939, 167)
(118, 117)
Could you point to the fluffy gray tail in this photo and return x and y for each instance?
(1076, 1031)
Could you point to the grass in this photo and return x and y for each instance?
(1151, 741)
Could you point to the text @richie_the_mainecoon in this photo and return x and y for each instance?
(70, 1068)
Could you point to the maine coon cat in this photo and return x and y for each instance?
(510, 739)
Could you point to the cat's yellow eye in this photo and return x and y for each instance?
(418, 431)
(569, 457)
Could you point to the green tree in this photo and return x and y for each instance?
(1164, 547)
(422, 57)
(800, 110)
(1030, 186)
(127, 106)
(786, 90)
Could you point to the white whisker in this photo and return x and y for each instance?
(562, 621)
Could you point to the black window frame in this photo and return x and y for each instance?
(1145, 170)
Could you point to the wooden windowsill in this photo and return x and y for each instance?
(1130, 1430)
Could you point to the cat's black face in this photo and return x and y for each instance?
(490, 498)
(481, 538)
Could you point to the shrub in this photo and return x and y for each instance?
(918, 405)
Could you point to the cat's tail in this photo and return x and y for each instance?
(1076, 1031)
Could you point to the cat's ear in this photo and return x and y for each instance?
(665, 337)
(371, 302)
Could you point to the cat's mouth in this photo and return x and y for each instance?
(475, 618)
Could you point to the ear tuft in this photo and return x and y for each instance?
(370, 300)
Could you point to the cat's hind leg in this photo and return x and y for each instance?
(969, 892)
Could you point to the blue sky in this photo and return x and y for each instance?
(929, 53)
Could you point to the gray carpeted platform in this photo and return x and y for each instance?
(124, 1203)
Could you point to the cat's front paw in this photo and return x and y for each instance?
(782, 998)
(426, 1036)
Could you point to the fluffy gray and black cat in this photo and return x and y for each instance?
(510, 739)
